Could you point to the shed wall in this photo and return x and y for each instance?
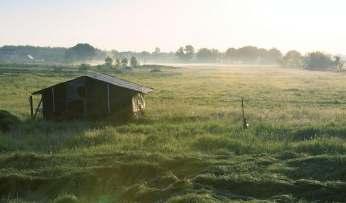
(53, 101)
(87, 98)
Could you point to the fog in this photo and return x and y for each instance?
(139, 25)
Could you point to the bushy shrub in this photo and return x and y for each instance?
(155, 70)
(134, 62)
(293, 59)
(108, 62)
(7, 121)
(84, 67)
(318, 60)
(57, 69)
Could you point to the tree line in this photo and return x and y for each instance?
(254, 55)
(84, 52)
(246, 55)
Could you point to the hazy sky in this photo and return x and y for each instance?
(143, 24)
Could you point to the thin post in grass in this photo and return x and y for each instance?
(245, 124)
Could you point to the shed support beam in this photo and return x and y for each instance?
(53, 99)
(31, 107)
(108, 99)
(38, 108)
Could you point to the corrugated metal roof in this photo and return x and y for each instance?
(107, 79)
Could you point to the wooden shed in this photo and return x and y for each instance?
(93, 95)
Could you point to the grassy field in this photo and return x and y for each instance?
(190, 146)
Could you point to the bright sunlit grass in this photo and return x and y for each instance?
(190, 139)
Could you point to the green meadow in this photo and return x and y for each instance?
(190, 145)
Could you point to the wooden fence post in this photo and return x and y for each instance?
(245, 124)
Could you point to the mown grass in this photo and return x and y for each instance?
(189, 146)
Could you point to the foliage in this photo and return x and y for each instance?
(273, 56)
(134, 62)
(231, 55)
(80, 52)
(117, 63)
(338, 63)
(124, 62)
(180, 52)
(207, 55)
(251, 54)
(7, 121)
(84, 67)
(186, 53)
(114, 54)
(242, 55)
(293, 59)
(189, 52)
(157, 51)
(318, 60)
(19, 54)
(248, 54)
(108, 61)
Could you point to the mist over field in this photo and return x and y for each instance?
(172, 101)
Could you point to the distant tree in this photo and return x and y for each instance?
(338, 63)
(114, 54)
(157, 51)
(80, 52)
(108, 61)
(318, 60)
(180, 52)
(215, 55)
(134, 62)
(186, 53)
(231, 55)
(145, 53)
(251, 54)
(31, 54)
(293, 59)
(274, 56)
(117, 62)
(203, 54)
(57, 69)
(248, 54)
(207, 55)
(189, 52)
(84, 67)
(124, 62)
(144, 56)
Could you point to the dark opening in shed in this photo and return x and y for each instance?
(94, 95)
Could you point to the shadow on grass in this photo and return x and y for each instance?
(321, 168)
(51, 136)
(299, 134)
(142, 177)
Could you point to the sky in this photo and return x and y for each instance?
(137, 25)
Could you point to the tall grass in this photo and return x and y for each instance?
(190, 145)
